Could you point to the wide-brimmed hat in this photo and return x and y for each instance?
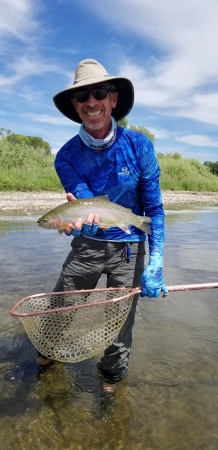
(91, 72)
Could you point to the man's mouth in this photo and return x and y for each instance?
(93, 113)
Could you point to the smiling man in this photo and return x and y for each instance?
(96, 115)
(106, 159)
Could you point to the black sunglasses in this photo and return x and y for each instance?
(99, 93)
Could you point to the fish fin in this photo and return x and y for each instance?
(124, 228)
(147, 229)
(65, 227)
(94, 199)
(106, 198)
(102, 197)
(145, 225)
(103, 226)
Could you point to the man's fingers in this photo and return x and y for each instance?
(70, 227)
(92, 218)
(70, 197)
(78, 224)
(89, 218)
(96, 219)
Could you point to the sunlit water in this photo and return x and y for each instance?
(169, 401)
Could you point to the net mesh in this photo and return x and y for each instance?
(73, 326)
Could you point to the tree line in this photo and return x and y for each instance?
(212, 166)
(29, 141)
(36, 142)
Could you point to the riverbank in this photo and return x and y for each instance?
(43, 201)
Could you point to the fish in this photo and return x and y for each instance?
(110, 215)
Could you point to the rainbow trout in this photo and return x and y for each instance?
(110, 215)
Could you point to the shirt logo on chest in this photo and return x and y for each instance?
(124, 172)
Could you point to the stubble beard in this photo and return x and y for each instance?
(94, 126)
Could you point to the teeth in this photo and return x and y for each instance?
(94, 114)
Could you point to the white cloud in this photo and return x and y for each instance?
(179, 27)
(159, 133)
(20, 32)
(202, 107)
(176, 76)
(28, 65)
(198, 140)
(183, 35)
(183, 101)
(17, 18)
(45, 118)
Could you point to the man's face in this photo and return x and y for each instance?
(96, 114)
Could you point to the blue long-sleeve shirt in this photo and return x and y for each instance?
(128, 172)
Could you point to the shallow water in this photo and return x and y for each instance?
(169, 400)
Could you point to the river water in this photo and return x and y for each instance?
(169, 401)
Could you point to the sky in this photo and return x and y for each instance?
(167, 48)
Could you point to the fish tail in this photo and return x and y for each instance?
(145, 225)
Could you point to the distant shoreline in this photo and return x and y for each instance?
(43, 201)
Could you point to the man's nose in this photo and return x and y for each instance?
(92, 100)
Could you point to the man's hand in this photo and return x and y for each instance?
(88, 228)
(152, 281)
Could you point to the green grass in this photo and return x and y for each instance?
(26, 168)
(185, 174)
(44, 179)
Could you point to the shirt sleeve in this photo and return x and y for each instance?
(151, 197)
(70, 177)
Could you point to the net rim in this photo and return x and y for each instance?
(130, 292)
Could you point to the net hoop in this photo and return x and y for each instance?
(72, 326)
(129, 292)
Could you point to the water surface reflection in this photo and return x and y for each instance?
(170, 398)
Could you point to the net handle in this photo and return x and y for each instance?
(190, 287)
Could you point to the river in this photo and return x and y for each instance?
(169, 401)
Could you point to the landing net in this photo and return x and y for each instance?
(75, 325)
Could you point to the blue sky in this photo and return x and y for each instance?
(168, 48)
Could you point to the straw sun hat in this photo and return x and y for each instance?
(91, 72)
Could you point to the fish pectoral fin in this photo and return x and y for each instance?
(125, 228)
(122, 226)
(102, 226)
(64, 227)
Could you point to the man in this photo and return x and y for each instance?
(105, 159)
